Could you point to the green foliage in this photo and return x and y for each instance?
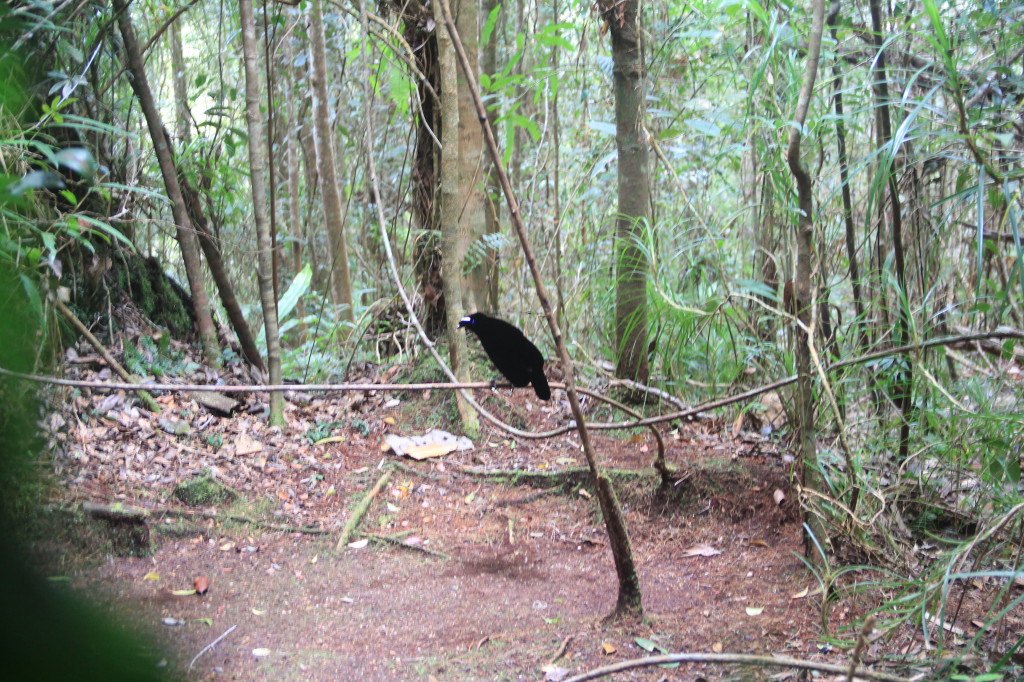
(156, 358)
(320, 430)
(483, 248)
(215, 441)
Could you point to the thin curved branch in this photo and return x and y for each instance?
(742, 659)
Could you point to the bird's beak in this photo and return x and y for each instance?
(465, 322)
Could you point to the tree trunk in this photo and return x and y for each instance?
(184, 231)
(426, 249)
(634, 190)
(453, 230)
(211, 249)
(489, 65)
(323, 139)
(292, 145)
(471, 171)
(179, 76)
(809, 477)
(257, 167)
(556, 198)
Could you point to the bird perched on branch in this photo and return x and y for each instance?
(510, 351)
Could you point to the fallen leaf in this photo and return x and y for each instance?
(205, 621)
(701, 550)
(182, 593)
(758, 543)
(420, 452)
(608, 648)
(717, 647)
(245, 445)
(754, 610)
(646, 644)
(227, 546)
(172, 621)
(151, 576)
(258, 612)
(202, 584)
(359, 544)
(261, 652)
(801, 594)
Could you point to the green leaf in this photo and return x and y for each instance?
(34, 300)
(492, 21)
(702, 126)
(107, 229)
(399, 88)
(555, 41)
(602, 127)
(526, 124)
(298, 287)
(645, 644)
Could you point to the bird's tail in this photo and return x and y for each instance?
(540, 384)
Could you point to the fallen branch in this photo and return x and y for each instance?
(144, 396)
(360, 511)
(741, 659)
(547, 479)
(398, 542)
(211, 645)
(561, 650)
(123, 512)
(524, 500)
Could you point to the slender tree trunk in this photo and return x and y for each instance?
(904, 379)
(634, 190)
(427, 248)
(257, 167)
(323, 139)
(809, 477)
(313, 210)
(556, 203)
(844, 176)
(471, 170)
(179, 76)
(184, 231)
(489, 65)
(211, 249)
(292, 145)
(453, 231)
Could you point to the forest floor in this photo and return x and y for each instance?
(484, 576)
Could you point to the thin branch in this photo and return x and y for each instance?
(742, 659)
(1001, 333)
(211, 645)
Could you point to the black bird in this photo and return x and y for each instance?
(510, 351)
